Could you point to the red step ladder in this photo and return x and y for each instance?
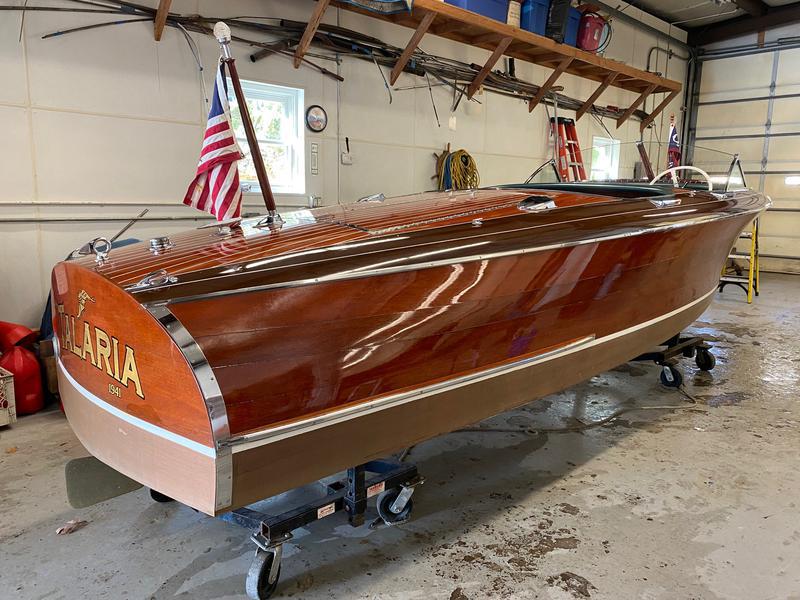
(569, 149)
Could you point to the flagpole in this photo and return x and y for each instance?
(223, 34)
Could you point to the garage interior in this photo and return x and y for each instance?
(669, 476)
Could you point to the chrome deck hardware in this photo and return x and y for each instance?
(272, 221)
(537, 203)
(225, 227)
(666, 203)
(100, 254)
(159, 244)
(154, 279)
(380, 197)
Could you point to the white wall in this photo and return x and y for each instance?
(101, 123)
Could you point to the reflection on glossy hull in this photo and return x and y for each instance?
(357, 330)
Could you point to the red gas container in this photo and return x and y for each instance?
(13, 334)
(590, 32)
(23, 365)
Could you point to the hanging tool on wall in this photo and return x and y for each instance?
(433, 102)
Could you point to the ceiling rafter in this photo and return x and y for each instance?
(774, 17)
(160, 19)
(753, 7)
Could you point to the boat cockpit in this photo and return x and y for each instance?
(612, 169)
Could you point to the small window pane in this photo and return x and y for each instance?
(277, 114)
(605, 159)
(277, 161)
(269, 120)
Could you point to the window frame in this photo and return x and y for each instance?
(293, 101)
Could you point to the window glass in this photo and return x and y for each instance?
(605, 159)
(277, 115)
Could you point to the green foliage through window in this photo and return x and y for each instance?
(276, 113)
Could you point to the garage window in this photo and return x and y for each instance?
(605, 159)
(277, 114)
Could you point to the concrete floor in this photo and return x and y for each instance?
(702, 502)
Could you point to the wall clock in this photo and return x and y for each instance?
(316, 118)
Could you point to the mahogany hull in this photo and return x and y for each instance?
(311, 356)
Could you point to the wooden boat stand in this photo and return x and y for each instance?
(678, 347)
(392, 481)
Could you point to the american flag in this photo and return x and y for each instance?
(215, 188)
(674, 148)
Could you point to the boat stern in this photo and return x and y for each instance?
(129, 392)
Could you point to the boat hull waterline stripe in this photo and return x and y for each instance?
(135, 421)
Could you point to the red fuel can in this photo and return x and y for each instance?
(13, 334)
(590, 32)
(24, 366)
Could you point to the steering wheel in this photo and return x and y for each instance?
(672, 170)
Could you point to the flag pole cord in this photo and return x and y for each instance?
(223, 36)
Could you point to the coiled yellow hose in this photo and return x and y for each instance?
(458, 171)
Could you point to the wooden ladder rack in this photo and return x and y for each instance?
(454, 23)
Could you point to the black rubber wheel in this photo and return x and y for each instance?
(257, 584)
(705, 360)
(677, 377)
(384, 506)
(159, 497)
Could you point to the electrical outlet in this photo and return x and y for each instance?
(452, 122)
(347, 158)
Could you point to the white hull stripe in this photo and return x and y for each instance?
(259, 438)
(135, 421)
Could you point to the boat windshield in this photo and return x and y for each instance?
(611, 161)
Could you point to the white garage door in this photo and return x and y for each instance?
(751, 105)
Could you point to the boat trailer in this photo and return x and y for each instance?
(392, 481)
(677, 347)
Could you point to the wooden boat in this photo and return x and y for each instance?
(227, 364)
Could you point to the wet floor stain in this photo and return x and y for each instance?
(568, 508)
(631, 369)
(514, 559)
(726, 399)
(578, 586)
(724, 330)
(458, 594)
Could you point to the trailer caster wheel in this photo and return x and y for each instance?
(385, 511)
(159, 497)
(671, 376)
(705, 360)
(258, 585)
